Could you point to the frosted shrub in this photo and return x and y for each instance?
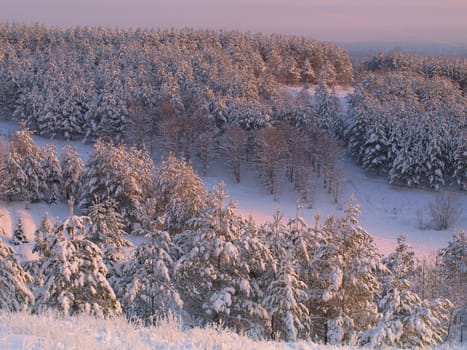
(444, 211)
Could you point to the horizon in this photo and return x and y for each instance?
(362, 21)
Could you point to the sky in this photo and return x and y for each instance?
(440, 21)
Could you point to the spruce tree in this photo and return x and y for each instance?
(327, 109)
(16, 295)
(72, 171)
(146, 288)
(19, 237)
(75, 274)
(346, 264)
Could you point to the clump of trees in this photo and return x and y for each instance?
(196, 94)
(410, 128)
(451, 68)
(195, 256)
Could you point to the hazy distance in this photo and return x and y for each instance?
(422, 21)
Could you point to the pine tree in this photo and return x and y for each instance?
(16, 295)
(121, 176)
(346, 264)
(72, 171)
(111, 115)
(327, 76)
(285, 302)
(180, 193)
(53, 173)
(19, 237)
(106, 229)
(75, 274)
(402, 263)
(290, 70)
(13, 179)
(22, 173)
(407, 320)
(260, 265)
(454, 267)
(213, 250)
(43, 236)
(147, 287)
(308, 73)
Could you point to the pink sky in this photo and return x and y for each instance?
(336, 20)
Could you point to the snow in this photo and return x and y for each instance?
(22, 331)
(339, 91)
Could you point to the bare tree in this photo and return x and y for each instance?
(336, 183)
(177, 131)
(233, 147)
(203, 140)
(170, 129)
(139, 131)
(298, 163)
(3, 149)
(271, 152)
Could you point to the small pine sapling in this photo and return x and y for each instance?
(19, 237)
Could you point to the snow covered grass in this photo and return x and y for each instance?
(23, 331)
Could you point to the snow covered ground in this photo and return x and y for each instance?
(22, 331)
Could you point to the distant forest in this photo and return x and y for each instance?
(101, 82)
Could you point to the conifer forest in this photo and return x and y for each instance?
(146, 239)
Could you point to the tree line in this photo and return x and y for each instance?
(106, 83)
